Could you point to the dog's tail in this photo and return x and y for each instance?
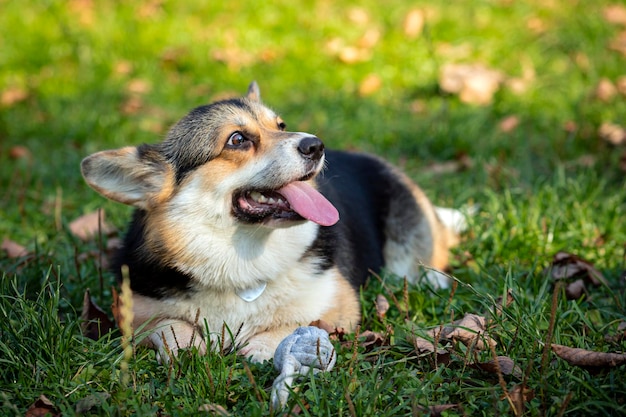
(455, 221)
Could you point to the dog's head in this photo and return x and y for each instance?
(230, 161)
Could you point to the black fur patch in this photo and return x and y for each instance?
(361, 187)
(149, 274)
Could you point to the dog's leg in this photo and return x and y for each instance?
(261, 346)
(166, 335)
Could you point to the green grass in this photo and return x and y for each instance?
(75, 61)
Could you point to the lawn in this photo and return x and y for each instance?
(515, 108)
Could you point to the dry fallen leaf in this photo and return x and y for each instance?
(214, 410)
(370, 339)
(505, 364)
(475, 84)
(612, 133)
(566, 266)
(19, 152)
(138, 86)
(13, 95)
(436, 410)
(95, 323)
(370, 85)
(500, 302)
(615, 14)
(619, 336)
(620, 84)
(382, 306)
(587, 358)
(414, 23)
(42, 407)
(575, 290)
(509, 124)
(89, 225)
(520, 395)
(424, 346)
(470, 331)
(13, 249)
(605, 90)
(618, 43)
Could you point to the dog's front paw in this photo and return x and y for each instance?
(261, 348)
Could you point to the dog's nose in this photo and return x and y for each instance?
(311, 147)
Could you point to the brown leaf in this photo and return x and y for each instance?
(324, 325)
(13, 249)
(587, 358)
(620, 84)
(19, 152)
(352, 55)
(138, 86)
(13, 95)
(89, 225)
(618, 43)
(370, 85)
(370, 339)
(470, 331)
(369, 39)
(95, 323)
(605, 90)
(42, 407)
(615, 14)
(382, 306)
(414, 23)
(84, 11)
(436, 410)
(575, 290)
(214, 410)
(504, 363)
(122, 67)
(520, 395)
(424, 346)
(500, 302)
(612, 133)
(568, 266)
(508, 124)
(358, 15)
(619, 336)
(475, 84)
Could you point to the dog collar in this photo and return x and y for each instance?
(250, 294)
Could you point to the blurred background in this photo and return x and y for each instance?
(467, 96)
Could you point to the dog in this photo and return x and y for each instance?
(244, 231)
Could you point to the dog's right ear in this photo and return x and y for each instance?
(139, 176)
(254, 93)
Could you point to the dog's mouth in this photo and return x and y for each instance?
(295, 201)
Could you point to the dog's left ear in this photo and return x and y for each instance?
(254, 94)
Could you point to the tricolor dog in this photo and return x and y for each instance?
(243, 230)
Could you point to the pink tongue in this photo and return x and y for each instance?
(309, 203)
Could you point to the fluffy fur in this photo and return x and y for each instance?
(220, 251)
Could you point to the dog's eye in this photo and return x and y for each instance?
(282, 125)
(236, 140)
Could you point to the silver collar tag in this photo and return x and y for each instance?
(250, 294)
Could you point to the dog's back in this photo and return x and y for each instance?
(386, 220)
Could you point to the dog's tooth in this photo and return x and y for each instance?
(272, 201)
(257, 196)
(262, 199)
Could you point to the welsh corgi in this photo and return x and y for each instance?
(244, 231)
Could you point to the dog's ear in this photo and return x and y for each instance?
(139, 176)
(254, 93)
